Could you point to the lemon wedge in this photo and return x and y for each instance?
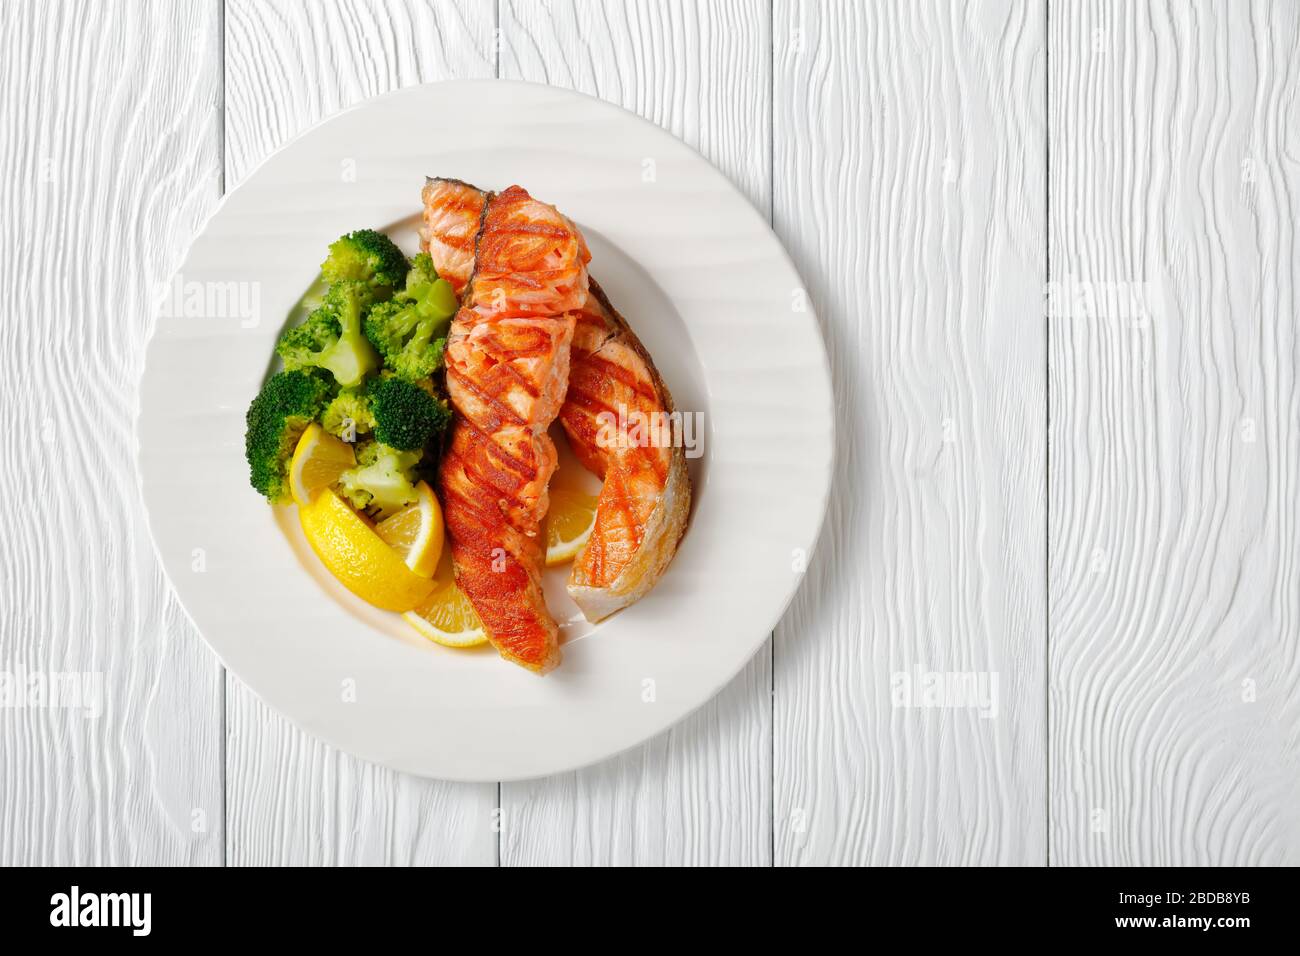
(349, 547)
(447, 617)
(317, 462)
(415, 532)
(569, 523)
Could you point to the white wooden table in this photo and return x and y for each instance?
(1097, 505)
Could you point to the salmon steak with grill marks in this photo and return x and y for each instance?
(645, 496)
(507, 359)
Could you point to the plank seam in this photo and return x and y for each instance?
(1047, 426)
(771, 222)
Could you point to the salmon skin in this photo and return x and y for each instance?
(646, 493)
(507, 361)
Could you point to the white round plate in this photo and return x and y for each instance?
(708, 289)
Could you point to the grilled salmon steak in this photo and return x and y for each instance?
(646, 492)
(453, 212)
(617, 415)
(507, 362)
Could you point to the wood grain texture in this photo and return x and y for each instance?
(1175, 528)
(700, 793)
(908, 186)
(292, 799)
(109, 161)
(904, 151)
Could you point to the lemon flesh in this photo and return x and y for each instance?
(318, 460)
(351, 550)
(416, 532)
(569, 523)
(447, 617)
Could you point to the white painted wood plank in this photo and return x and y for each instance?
(908, 182)
(701, 793)
(293, 800)
(109, 163)
(1174, 514)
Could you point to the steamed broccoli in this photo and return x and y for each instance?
(366, 256)
(410, 330)
(348, 415)
(383, 482)
(286, 405)
(332, 338)
(406, 416)
(422, 271)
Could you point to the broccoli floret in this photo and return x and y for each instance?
(332, 336)
(422, 271)
(411, 345)
(286, 405)
(383, 482)
(366, 256)
(348, 415)
(302, 345)
(410, 330)
(406, 416)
